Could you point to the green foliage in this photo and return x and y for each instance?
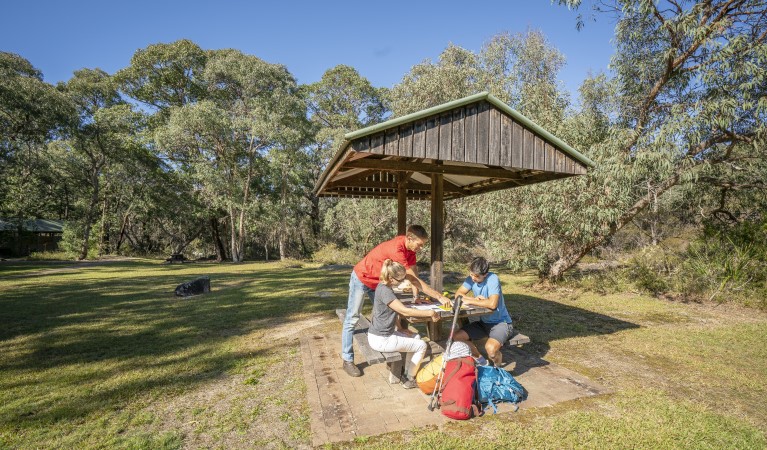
(686, 77)
(71, 243)
(107, 134)
(50, 256)
(332, 254)
(728, 263)
(31, 112)
(341, 102)
(361, 224)
(649, 271)
(725, 262)
(165, 75)
(252, 112)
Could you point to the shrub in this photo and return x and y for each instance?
(50, 256)
(645, 278)
(332, 254)
(71, 240)
(726, 262)
(650, 269)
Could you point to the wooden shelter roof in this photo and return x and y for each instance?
(477, 143)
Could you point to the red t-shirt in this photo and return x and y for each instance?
(369, 269)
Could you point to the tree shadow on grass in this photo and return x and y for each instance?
(544, 321)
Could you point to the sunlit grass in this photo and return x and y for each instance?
(83, 352)
(106, 356)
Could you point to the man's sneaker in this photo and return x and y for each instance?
(409, 383)
(351, 369)
(481, 361)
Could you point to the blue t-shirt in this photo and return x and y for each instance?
(490, 286)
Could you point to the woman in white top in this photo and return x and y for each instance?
(385, 334)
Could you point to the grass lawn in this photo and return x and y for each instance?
(105, 356)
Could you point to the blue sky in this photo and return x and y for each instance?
(382, 40)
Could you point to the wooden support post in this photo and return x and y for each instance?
(437, 230)
(401, 204)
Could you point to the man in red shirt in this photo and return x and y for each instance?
(365, 278)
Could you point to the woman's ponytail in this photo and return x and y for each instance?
(392, 271)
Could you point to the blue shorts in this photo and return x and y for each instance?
(501, 332)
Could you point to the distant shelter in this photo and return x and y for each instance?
(20, 238)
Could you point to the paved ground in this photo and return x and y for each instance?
(343, 407)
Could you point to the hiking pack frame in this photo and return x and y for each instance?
(437, 392)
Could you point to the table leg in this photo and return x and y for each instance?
(434, 331)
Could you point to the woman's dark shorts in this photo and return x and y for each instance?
(501, 332)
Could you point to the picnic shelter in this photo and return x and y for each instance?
(465, 147)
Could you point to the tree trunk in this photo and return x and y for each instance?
(654, 232)
(283, 195)
(123, 228)
(89, 215)
(315, 217)
(217, 242)
(66, 202)
(104, 239)
(572, 256)
(234, 238)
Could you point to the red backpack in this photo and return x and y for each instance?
(457, 401)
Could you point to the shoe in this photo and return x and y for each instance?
(351, 369)
(482, 361)
(409, 383)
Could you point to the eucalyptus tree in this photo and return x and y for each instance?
(31, 114)
(456, 74)
(162, 77)
(341, 102)
(692, 83)
(252, 108)
(106, 133)
(520, 69)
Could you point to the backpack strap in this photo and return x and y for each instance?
(451, 406)
(476, 405)
(452, 374)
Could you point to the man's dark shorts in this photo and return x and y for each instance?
(501, 332)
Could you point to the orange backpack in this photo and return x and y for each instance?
(427, 376)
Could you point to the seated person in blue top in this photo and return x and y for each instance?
(385, 333)
(487, 293)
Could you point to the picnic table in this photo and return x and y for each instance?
(394, 360)
(434, 329)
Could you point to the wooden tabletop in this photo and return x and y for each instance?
(466, 311)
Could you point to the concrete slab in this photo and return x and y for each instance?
(343, 407)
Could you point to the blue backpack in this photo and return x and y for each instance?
(495, 385)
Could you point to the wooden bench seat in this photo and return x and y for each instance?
(393, 360)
